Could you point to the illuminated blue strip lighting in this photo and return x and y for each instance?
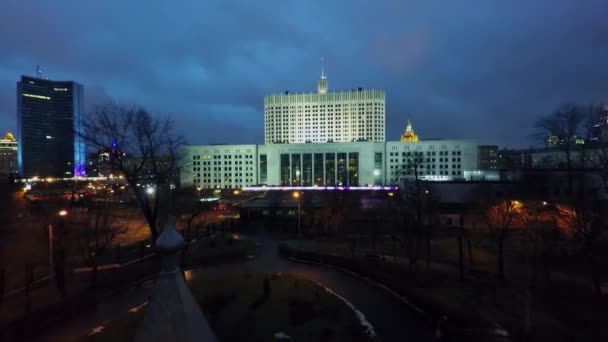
(314, 188)
(34, 180)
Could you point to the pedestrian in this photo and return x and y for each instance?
(440, 331)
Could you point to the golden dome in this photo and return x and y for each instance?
(409, 135)
(9, 136)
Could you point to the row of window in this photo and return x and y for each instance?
(428, 153)
(226, 175)
(337, 105)
(428, 160)
(425, 166)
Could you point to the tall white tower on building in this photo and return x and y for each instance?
(322, 86)
(343, 116)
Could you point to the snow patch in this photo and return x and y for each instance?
(281, 336)
(500, 331)
(369, 328)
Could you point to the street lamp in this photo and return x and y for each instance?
(150, 190)
(296, 195)
(62, 213)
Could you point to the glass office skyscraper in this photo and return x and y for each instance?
(49, 119)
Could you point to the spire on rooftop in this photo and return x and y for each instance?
(322, 85)
(409, 135)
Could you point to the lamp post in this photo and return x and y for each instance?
(296, 195)
(62, 214)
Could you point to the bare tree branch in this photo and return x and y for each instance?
(142, 147)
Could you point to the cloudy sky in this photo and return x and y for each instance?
(481, 69)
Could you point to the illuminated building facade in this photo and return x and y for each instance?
(409, 135)
(326, 139)
(344, 116)
(322, 164)
(49, 120)
(8, 154)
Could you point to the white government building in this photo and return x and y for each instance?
(344, 116)
(326, 139)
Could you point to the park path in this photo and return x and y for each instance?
(391, 319)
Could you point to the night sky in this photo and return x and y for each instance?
(483, 69)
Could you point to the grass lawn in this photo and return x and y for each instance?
(237, 310)
(218, 249)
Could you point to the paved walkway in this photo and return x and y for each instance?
(392, 320)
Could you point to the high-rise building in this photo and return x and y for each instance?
(344, 116)
(8, 154)
(49, 120)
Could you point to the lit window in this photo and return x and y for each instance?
(60, 89)
(36, 96)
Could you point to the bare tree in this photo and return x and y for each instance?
(143, 148)
(588, 233)
(420, 209)
(562, 128)
(196, 220)
(501, 214)
(96, 232)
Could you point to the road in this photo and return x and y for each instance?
(392, 320)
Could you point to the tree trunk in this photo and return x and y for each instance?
(428, 249)
(184, 254)
(470, 252)
(94, 273)
(595, 278)
(460, 258)
(500, 260)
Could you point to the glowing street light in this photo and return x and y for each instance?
(61, 213)
(296, 195)
(150, 190)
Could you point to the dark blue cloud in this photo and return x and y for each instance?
(467, 69)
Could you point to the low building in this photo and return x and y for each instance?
(326, 164)
(8, 154)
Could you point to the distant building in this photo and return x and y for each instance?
(337, 164)
(8, 154)
(487, 157)
(326, 139)
(49, 119)
(344, 116)
(599, 131)
(514, 159)
(409, 135)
